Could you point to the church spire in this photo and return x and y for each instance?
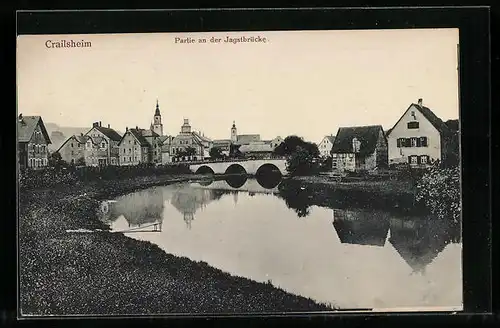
(157, 111)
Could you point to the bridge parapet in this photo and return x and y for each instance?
(251, 166)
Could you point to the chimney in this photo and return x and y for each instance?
(100, 123)
(81, 134)
(420, 102)
(136, 127)
(108, 126)
(95, 124)
(126, 129)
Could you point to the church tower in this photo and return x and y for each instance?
(157, 126)
(234, 134)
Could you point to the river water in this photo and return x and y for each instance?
(351, 258)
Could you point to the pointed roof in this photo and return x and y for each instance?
(26, 127)
(82, 139)
(157, 111)
(367, 135)
(430, 116)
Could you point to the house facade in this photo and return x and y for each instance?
(33, 141)
(360, 148)
(419, 137)
(188, 139)
(73, 150)
(325, 146)
(102, 147)
(134, 148)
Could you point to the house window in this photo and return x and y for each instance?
(414, 142)
(423, 159)
(413, 125)
(130, 159)
(423, 141)
(414, 159)
(72, 153)
(103, 144)
(71, 145)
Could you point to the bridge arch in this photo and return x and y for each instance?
(235, 169)
(205, 169)
(268, 176)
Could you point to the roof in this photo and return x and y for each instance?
(79, 138)
(26, 127)
(165, 138)
(137, 133)
(201, 137)
(109, 132)
(330, 138)
(256, 148)
(149, 133)
(367, 135)
(247, 138)
(430, 116)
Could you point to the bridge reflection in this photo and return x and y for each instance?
(262, 183)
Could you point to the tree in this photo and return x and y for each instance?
(215, 153)
(234, 151)
(290, 144)
(56, 161)
(301, 162)
(190, 151)
(80, 161)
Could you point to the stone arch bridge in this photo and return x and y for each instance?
(248, 166)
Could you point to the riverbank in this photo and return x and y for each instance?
(392, 195)
(64, 273)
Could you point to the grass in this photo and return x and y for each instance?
(105, 273)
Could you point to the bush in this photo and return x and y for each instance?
(439, 190)
(50, 177)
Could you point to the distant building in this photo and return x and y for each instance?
(223, 144)
(419, 137)
(325, 146)
(165, 143)
(257, 150)
(243, 139)
(360, 148)
(188, 139)
(137, 146)
(33, 141)
(74, 149)
(102, 147)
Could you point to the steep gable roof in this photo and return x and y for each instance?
(430, 116)
(78, 138)
(137, 133)
(26, 126)
(109, 132)
(367, 135)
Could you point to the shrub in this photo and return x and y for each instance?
(50, 177)
(439, 190)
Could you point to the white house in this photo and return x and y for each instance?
(325, 146)
(419, 137)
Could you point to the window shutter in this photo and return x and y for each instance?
(407, 142)
(419, 144)
(424, 141)
(398, 142)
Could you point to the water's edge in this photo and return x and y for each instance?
(152, 281)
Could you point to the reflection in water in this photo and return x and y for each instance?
(366, 259)
(361, 227)
(418, 241)
(236, 181)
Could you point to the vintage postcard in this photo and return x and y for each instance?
(239, 172)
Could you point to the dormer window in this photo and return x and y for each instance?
(413, 125)
(356, 144)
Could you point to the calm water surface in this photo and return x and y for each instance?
(351, 258)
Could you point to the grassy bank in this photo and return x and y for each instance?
(396, 195)
(108, 273)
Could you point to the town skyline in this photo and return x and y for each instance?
(299, 83)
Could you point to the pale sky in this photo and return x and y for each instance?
(306, 83)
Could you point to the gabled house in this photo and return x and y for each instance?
(73, 150)
(419, 138)
(135, 148)
(359, 148)
(33, 141)
(103, 146)
(325, 146)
